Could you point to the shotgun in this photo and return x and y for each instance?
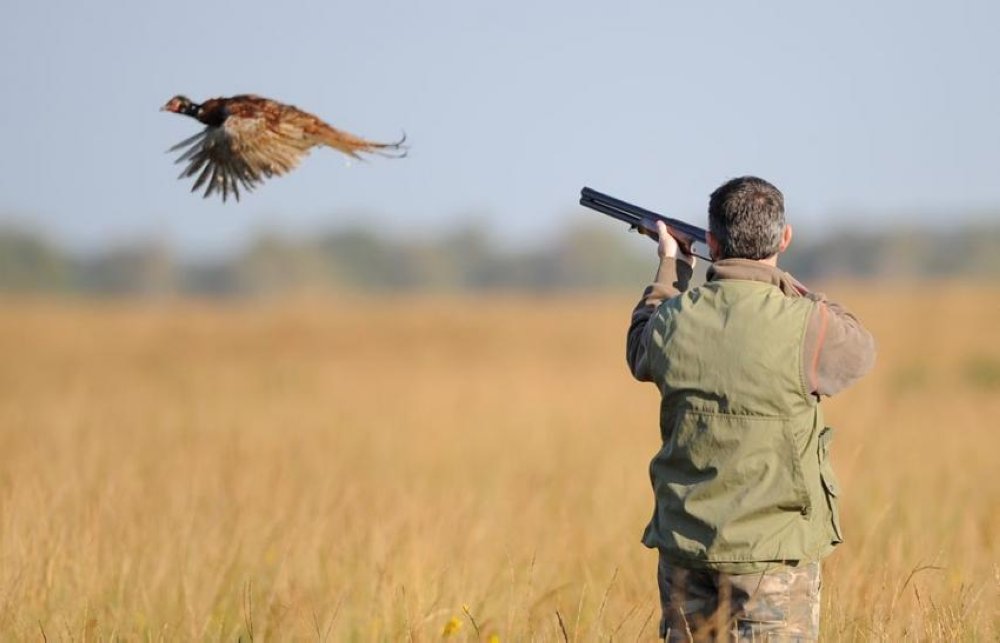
(645, 221)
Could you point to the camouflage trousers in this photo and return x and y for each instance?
(781, 604)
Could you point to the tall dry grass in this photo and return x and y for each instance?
(394, 469)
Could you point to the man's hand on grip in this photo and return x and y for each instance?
(670, 247)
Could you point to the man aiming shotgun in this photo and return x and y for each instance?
(745, 496)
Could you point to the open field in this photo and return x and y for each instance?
(393, 469)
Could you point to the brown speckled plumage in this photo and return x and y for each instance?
(248, 139)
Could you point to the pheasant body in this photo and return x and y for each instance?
(248, 139)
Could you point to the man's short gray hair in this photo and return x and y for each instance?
(746, 215)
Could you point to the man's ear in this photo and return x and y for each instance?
(713, 245)
(786, 238)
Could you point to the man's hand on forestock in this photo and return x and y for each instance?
(670, 248)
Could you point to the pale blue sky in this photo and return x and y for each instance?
(875, 108)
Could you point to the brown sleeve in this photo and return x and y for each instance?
(672, 278)
(837, 349)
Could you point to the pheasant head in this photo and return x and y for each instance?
(181, 105)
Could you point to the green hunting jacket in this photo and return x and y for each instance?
(743, 478)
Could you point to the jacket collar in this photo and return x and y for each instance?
(750, 270)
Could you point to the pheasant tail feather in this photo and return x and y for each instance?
(355, 145)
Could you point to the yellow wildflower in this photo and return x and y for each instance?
(452, 626)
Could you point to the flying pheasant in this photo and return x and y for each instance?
(248, 139)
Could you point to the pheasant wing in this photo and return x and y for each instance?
(243, 151)
(210, 156)
(269, 146)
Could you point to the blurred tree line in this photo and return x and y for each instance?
(588, 256)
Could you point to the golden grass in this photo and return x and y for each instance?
(392, 469)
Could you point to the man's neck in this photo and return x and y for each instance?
(767, 261)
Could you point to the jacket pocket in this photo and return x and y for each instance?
(830, 485)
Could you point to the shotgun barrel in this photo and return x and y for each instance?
(644, 220)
